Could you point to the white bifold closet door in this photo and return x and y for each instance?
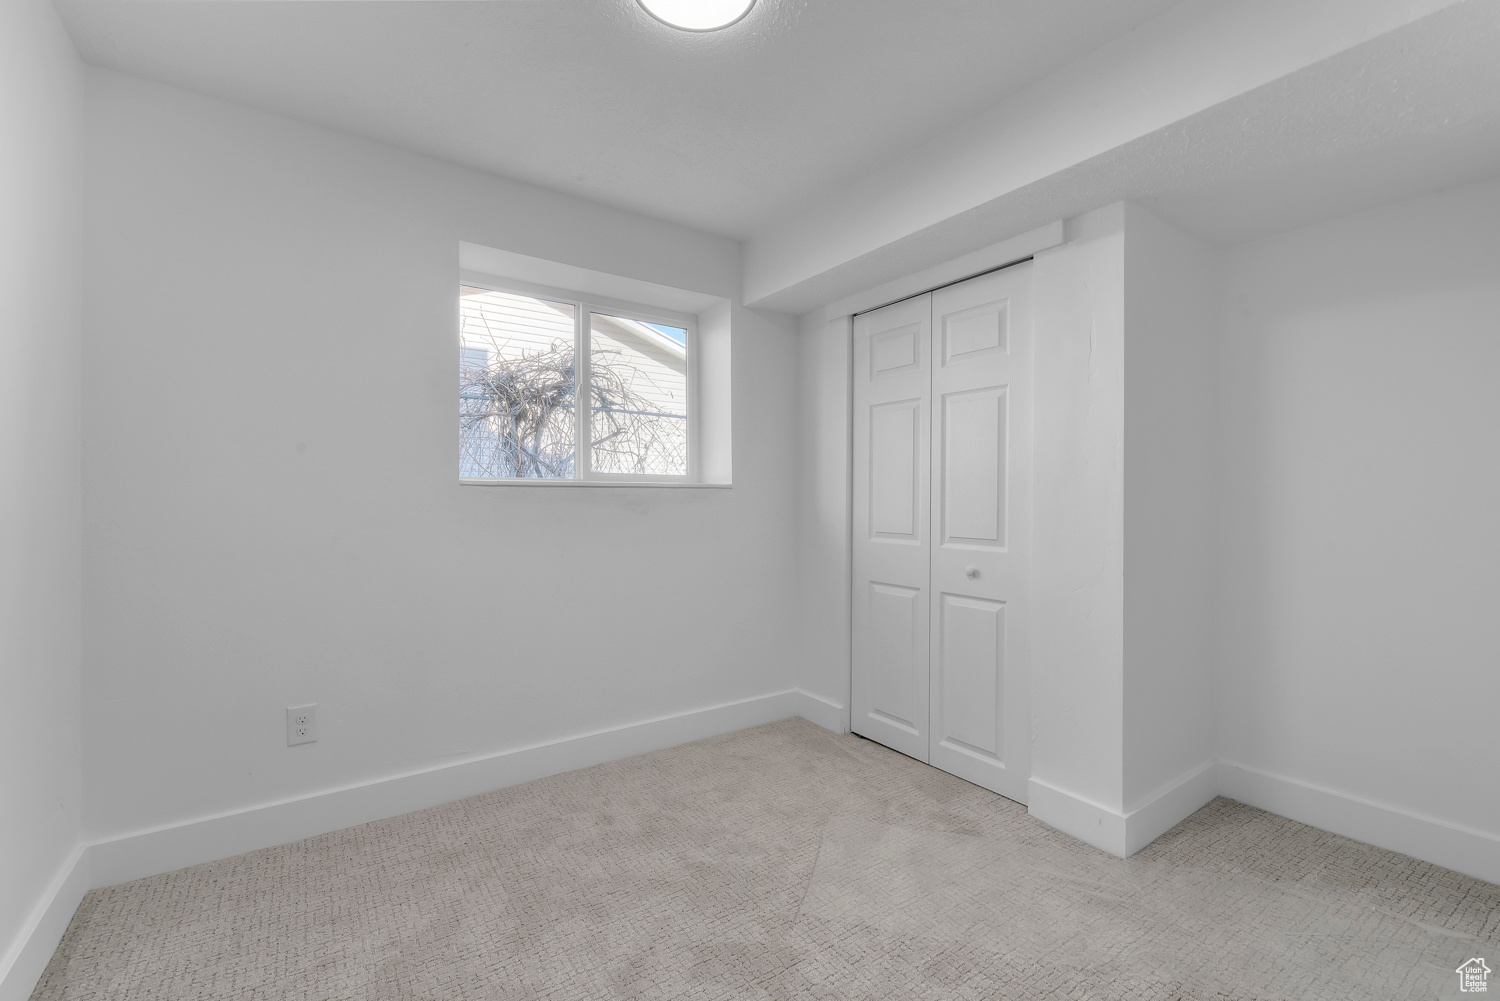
(942, 528)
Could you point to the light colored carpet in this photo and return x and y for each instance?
(780, 862)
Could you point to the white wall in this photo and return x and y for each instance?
(1121, 685)
(1171, 310)
(1078, 564)
(823, 508)
(1360, 484)
(272, 514)
(39, 468)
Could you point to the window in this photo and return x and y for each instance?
(522, 357)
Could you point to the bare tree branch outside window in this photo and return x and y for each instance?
(516, 418)
(519, 392)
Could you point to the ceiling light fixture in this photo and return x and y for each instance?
(698, 15)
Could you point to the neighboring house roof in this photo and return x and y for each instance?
(644, 338)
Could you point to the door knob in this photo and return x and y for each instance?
(971, 572)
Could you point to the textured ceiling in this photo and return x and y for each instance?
(721, 131)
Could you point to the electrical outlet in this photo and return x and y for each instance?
(301, 724)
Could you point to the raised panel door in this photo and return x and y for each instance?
(891, 524)
(981, 450)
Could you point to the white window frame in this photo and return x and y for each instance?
(584, 307)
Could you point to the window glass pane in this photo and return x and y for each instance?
(515, 386)
(638, 383)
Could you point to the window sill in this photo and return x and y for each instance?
(632, 484)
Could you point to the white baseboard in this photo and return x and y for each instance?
(1170, 806)
(1462, 849)
(1090, 822)
(23, 962)
(825, 712)
(1119, 833)
(163, 849)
